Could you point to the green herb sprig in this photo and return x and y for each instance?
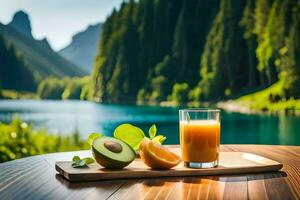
(152, 134)
(80, 163)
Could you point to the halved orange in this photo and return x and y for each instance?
(143, 143)
(157, 156)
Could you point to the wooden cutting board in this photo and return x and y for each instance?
(229, 163)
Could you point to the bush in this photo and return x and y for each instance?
(51, 88)
(74, 87)
(19, 139)
(65, 88)
(87, 91)
(143, 96)
(195, 94)
(180, 93)
(12, 94)
(159, 87)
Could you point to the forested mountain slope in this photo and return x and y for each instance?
(14, 74)
(195, 50)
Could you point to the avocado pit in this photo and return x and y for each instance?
(113, 146)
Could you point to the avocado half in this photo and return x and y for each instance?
(112, 153)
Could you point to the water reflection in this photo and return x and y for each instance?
(85, 117)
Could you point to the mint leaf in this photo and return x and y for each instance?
(93, 136)
(77, 162)
(159, 139)
(75, 158)
(152, 131)
(130, 134)
(88, 160)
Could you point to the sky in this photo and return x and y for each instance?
(58, 20)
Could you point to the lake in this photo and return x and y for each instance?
(65, 117)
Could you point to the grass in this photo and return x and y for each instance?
(19, 139)
(270, 100)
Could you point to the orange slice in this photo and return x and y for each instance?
(143, 143)
(157, 156)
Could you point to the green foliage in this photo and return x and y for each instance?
(133, 135)
(142, 96)
(130, 134)
(271, 99)
(220, 48)
(152, 131)
(66, 88)
(180, 93)
(159, 88)
(115, 75)
(14, 73)
(19, 139)
(195, 94)
(74, 88)
(291, 57)
(159, 139)
(87, 91)
(262, 8)
(271, 39)
(12, 94)
(51, 88)
(142, 58)
(223, 57)
(84, 162)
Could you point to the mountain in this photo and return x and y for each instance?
(14, 73)
(198, 50)
(21, 23)
(37, 54)
(83, 48)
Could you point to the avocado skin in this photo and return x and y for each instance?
(107, 162)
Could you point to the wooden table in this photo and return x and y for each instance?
(36, 178)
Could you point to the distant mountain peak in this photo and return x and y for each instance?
(91, 29)
(21, 23)
(83, 48)
(45, 43)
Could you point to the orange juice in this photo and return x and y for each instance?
(200, 140)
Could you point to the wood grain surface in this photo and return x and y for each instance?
(229, 163)
(36, 178)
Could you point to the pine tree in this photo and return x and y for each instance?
(149, 46)
(292, 56)
(223, 60)
(14, 74)
(248, 23)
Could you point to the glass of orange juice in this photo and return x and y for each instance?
(200, 137)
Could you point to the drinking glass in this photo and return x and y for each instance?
(200, 137)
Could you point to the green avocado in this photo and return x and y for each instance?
(112, 153)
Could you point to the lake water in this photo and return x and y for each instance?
(64, 117)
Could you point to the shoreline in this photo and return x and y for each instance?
(239, 107)
(243, 107)
(235, 106)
